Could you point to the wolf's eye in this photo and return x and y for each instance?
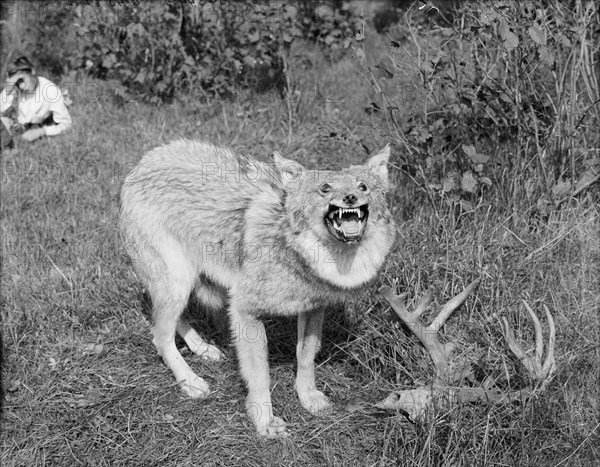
(325, 188)
(363, 187)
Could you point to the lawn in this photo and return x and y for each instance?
(83, 384)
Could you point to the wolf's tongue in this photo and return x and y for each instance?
(350, 228)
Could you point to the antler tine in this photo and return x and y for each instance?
(423, 303)
(428, 335)
(429, 339)
(549, 364)
(420, 401)
(539, 343)
(452, 305)
(397, 302)
(515, 348)
(534, 365)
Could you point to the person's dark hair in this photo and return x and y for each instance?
(20, 64)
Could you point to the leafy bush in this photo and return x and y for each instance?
(507, 95)
(213, 48)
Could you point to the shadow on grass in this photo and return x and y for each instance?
(214, 326)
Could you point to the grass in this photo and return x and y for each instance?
(83, 384)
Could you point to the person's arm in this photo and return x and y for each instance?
(61, 116)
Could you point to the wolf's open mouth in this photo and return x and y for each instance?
(347, 224)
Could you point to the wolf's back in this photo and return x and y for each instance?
(194, 192)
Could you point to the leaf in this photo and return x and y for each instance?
(141, 76)
(254, 36)
(488, 16)
(14, 385)
(109, 61)
(561, 188)
(91, 397)
(357, 407)
(537, 34)
(95, 349)
(360, 55)
(426, 67)
(466, 205)
(510, 39)
(480, 158)
(290, 12)
(450, 182)
(469, 150)
(564, 40)
(468, 182)
(250, 61)
(546, 56)
(421, 133)
(439, 125)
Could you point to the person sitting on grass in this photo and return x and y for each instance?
(31, 104)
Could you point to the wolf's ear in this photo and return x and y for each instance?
(291, 171)
(378, 163)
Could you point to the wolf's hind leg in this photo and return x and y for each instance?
(171, 281)
(309, 342)
(166, 311)
(196, 344)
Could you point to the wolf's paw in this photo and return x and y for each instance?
(275, 429)
(195, 387)
(315, 402)
(208, 352)
(197, 345)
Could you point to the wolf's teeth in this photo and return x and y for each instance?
(340, 213)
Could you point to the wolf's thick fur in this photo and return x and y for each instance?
(198, 218)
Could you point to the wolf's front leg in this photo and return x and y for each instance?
(309, 342)
(251, 343)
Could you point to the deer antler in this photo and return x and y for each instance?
(428, 334)
(539, 372)
(419, 401)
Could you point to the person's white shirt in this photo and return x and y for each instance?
(35, 107)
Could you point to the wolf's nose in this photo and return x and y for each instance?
(350, 200)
